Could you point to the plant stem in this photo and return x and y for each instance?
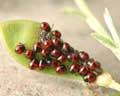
(90, 18)
(111, 27)
(95, 25)
(116, 53)
(106, 80)
(114, 85)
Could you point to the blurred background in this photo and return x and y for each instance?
(15, 80)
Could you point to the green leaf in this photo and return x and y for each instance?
(76, 12)
(111, 27)
(26, 32)
(14, 32)
(105, 41)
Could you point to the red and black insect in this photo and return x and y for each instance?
(56, 34)
(54, 64)
(83, 70)
(83, 56)
(33, 64)
(74, 68)
(74, 57)
(53, 53)
(45, 27)
(90, 77)
(56, 42)
(42, 64)
(60, 69)
(29, 54)
(61, 58)
(37, 47)
(20, 48)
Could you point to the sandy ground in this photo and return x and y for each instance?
(15, 80)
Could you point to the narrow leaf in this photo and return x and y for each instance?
(111, 27)
(76, 12)
(26, 32)
(91, 20)
(105, 41)
(83, 7)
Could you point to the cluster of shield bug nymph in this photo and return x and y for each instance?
(54, 52)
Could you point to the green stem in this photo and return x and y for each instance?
(90, 18)
(116, 53)
(107, 81)
(114, 85)
(111, 27)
